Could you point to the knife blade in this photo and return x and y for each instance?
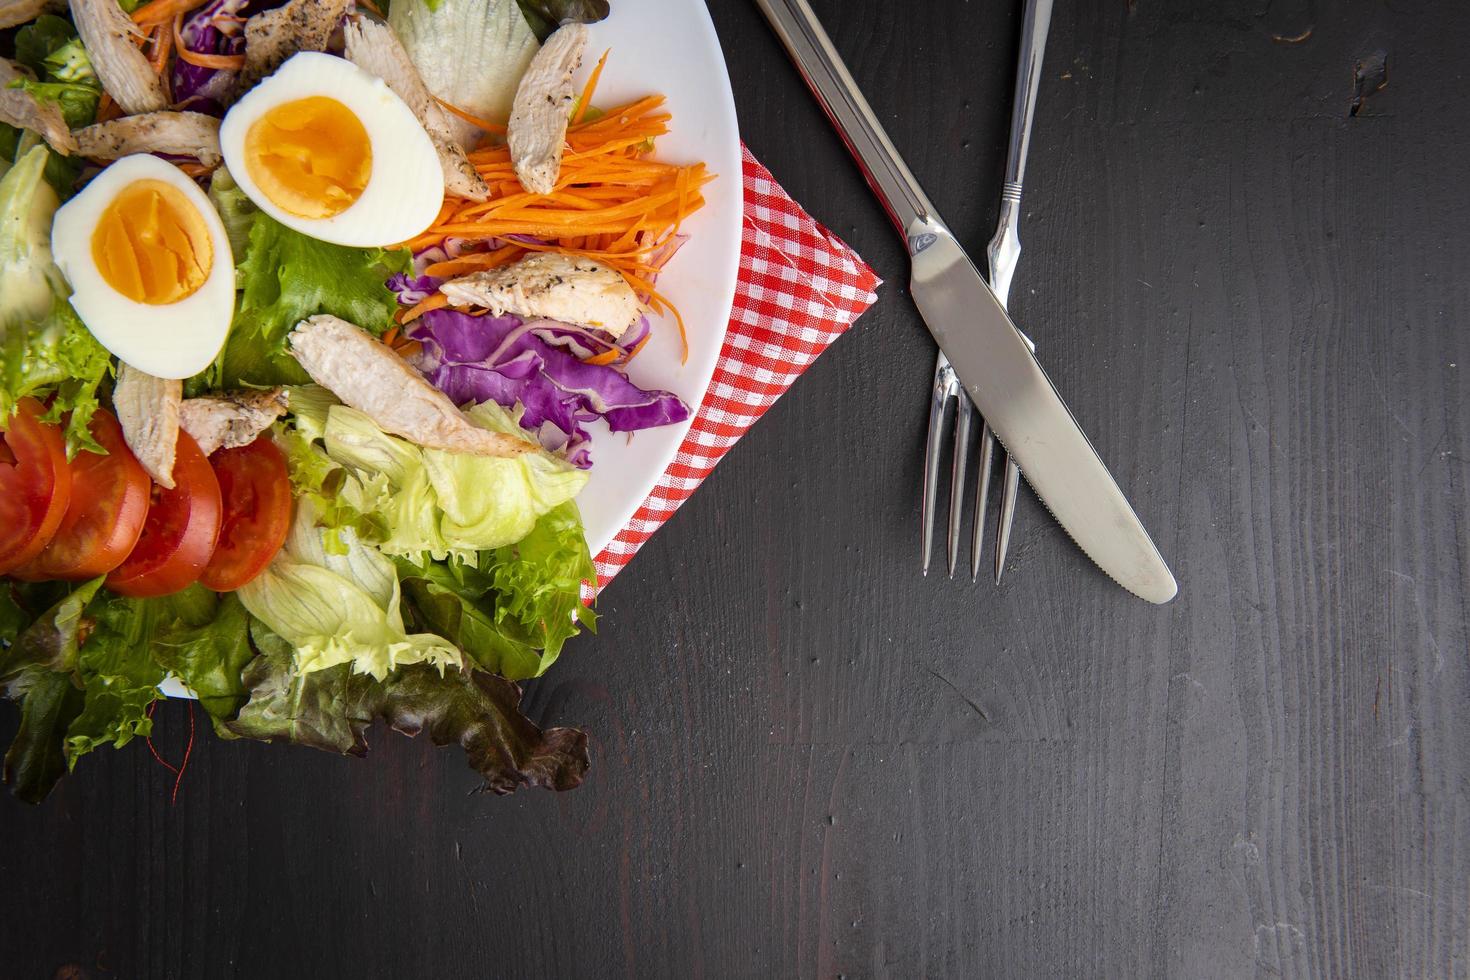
(971, 326)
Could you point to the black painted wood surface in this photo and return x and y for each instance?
(1250, 274)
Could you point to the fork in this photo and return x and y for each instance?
(1003, 253)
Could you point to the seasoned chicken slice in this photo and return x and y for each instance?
(272, 36)
(538, 119)
(371, 378)
(552, 286)
(191, 134)
(15, 12)
(231, 420)
(373, 47)
(148, 409)
(120, 64)
(20, 108)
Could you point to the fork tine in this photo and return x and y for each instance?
(964, 412)
(939, 395)
(982, 498)
(1008, 493)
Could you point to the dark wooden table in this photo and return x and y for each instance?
(810, 762)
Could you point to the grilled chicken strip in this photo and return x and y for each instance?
(538, 119)
(185, 133)
(120, 64)
(373, 47)
(552, 286)
(371, 378)
(272, 36)
(15, 12)
(20, 108)
(148, 409)
(231, 420)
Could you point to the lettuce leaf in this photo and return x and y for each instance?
(119, 677)
(30, 280)
(49, 46)
(408, 500)
(208, 651)
(339, 609)
(546, 16)
(36, 758)
(235, 209)
(333, 709)
(515, 609)
(286, 276)
(468, 52)
(51, 641)
(44, 346)
(86, 670)
(37, 669)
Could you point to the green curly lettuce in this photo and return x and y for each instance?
(284, 277)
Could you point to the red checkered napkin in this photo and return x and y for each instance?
(800, 288)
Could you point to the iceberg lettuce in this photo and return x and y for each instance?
(421, 500)
(339, 609)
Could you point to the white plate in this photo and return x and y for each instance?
(669, 47)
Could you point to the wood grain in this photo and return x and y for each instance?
(809, 761)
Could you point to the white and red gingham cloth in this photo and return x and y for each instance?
(800, 288)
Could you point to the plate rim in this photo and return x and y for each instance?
(727, 165)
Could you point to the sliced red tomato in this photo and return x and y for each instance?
(35, 484)
(256, 492)
(178, 533)
(109, 499)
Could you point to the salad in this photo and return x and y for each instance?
(308, 312)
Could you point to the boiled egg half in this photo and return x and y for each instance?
(328, 150)
(149, 265)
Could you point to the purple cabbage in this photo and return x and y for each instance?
(539, 364)
(218, 27)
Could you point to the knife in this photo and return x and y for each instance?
(990, 357)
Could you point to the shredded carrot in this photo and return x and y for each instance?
(474, 262)
(660, 305)
(606, 357)
(586, 101)
(372, 7)
(475, 121)
(638, 347)
(611, 203)
(157, 12)
(107, 109)
(194, 168)
(434, 301)
(390, 336)
(225, 62)
(161, 39)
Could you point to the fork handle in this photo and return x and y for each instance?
(827, 76)
(1005, 248)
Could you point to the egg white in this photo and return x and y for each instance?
(174, 340)
(406, 186)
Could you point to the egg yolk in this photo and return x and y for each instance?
(311, 157)
(152, 245)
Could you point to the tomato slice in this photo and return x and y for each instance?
(35, 484)
(109, 499)
(256, 491)
(178, 533)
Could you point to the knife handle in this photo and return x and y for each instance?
(827, 76)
